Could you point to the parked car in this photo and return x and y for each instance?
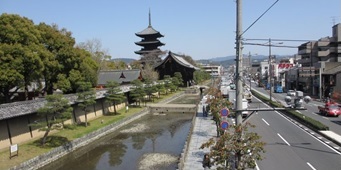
(291, 93)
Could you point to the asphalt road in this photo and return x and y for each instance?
(289, 146)
(334, 123)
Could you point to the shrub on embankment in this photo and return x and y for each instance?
(307, 121)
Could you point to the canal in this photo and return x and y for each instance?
(155, 141)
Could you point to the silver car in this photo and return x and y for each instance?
(291, 93)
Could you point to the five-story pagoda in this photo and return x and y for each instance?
(149, 42)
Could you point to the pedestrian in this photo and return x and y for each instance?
(206, 162)
(204, 110)
(208, 108)
(127, 108)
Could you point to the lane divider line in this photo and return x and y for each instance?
(283, 139)
(301, 127)
(265, 122)
(311, 166)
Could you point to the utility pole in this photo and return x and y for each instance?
(239, 56)
(270, 69)
(239, 85)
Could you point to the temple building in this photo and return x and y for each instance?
(176, 63)
(149, 41)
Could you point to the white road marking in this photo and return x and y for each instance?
(257, 166)
(311, 166)
(317, 138)
(265, 122)
(283, 139)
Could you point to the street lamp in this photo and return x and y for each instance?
(270, 79)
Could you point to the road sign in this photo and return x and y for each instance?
(224, 125)
(224, 112)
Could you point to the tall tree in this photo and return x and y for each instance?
(86, 96)
(65, 65)
(98, 54)
(20, 50)
(149, 72)
(56, 111)
(58, 58)
(152, 57)
(114, 94)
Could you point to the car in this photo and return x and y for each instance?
(248, 96)
(291, 93)
(330, 110)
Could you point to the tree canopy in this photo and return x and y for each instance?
(41, 54)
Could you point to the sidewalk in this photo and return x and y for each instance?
(204, 129)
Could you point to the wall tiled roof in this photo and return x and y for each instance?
(16, 109)
(119, 76)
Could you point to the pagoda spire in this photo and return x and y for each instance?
(150, 20)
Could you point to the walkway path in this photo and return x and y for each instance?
(204, 129)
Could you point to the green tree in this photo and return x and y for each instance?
(136, 91)
(56, 111)
(200, 75)
(65, 62)
(86, 96)
(149, 88)
(114, 94)
(20, 51)
(168, 83)
(160, 86)
(58, 44)
(238, 141)
(177, 79)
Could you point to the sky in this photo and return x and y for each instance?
(202, 29)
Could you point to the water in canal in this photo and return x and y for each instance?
(155, 141)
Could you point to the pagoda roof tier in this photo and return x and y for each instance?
(148, 32)
(144, 43)
(145, 51)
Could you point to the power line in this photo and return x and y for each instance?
(258, 18)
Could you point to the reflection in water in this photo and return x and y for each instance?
(154, 141)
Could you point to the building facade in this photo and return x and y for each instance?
(320, 65)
